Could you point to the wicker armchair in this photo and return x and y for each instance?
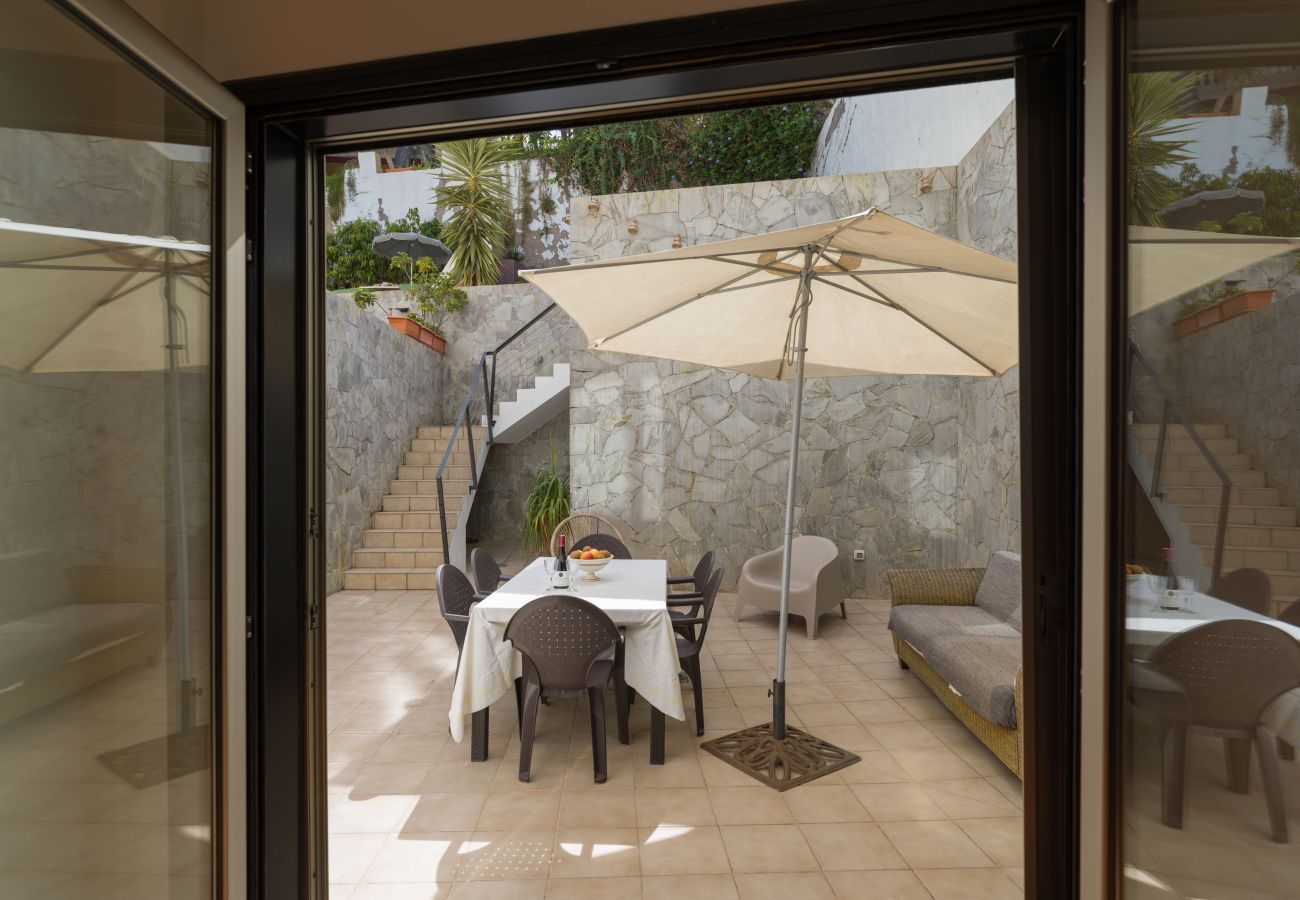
(956, 587)
(581, 526)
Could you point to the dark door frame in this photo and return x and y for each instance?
(814, 48)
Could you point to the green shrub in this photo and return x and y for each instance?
(1280, 216)
(349, 261)
(433, 293)
(547, 505)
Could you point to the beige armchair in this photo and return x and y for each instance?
(816, 585)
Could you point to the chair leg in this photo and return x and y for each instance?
(519, 703)
(1236, 756)
(1174, 774)
(902, 665)
(1285, 750)
(692, 666)
(600, 765)
(528, 727)
(844, 610)
(810, 622)
(621, 699)
(1268, 772)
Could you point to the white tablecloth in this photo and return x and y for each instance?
(1147, 626)
(631, 591)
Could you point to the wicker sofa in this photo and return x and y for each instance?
(959, 631)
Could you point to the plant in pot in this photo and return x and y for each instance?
(511, 263)
(434, 296)
(546, 507)
(475, 191)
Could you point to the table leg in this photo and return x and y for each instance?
(657, 729)
(478, 740)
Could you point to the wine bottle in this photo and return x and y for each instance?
(561, 564)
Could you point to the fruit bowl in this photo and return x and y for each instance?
(590, 567)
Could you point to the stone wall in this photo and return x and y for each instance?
(988, 420)
(379, 385)
(498, 512)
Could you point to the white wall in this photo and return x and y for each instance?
(922, 128)
(1230, 145)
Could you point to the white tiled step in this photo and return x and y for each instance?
(438, 445)
(409, 520)
(422, 502)
(426, 432)
(1203, 476)
(429, 473)
(1152, 431)
(1216, 446)
(393, 558)
(1193, 460)
(1268, 558)
(449, 488)
(1247, 536)
(429, 458)
(402, 538)
(413, 579)
(1241, 496)
(1238, 515)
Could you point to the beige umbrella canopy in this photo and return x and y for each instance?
(1166, 263)
(865, 295)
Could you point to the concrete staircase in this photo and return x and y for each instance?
(403, 549)
(532, 407)
(1262, 528)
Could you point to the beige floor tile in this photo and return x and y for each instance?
(935, 845)
(600, 808)
(674, 806)
(678, 771)
(445, 812)
(688, 887)
(683, 850)
(426, 891)
(625, 888)
(459, 777)
(1002, 840)
(520, 810)
(516, 855)
(767, 848)
(784, 886)
(815, 714)
(595, 852)
(897, 884)
(350, 855)
(412, 857)
(417, 748)
(897, 802)
(969, 884)
(881, 711)
(756, 805)
(970, 798)
(369, 813)
(530, 889)
(813, 803)
(854, 738)
(875, 767)
(932, 764)
(390, 778)
(851, 846)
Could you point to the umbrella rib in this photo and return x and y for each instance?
(118, 291)
(928, 327)
(916, 267)
(675, 307)
(848, 290)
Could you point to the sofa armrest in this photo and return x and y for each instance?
(934, 587)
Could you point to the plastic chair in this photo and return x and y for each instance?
(1218, 679)
(816, 585)
(568, 648)
(487, 573)
(455, 598)
(695, 581)
(582, 524)
(603, 542)
(1250, 589)
(689, 644)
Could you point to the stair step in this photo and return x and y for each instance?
(402, 538)
(1210, 495)
(1238, 515)
(429, 473)
(1203, 476)
(427, 458)
(1231, 462)
(1152, 430)
(412, 579)
(399, 503)
(450, 488)
(1270, 558)
(391, 558)
(460, 445)
(1248, 536)
(423, 521)
(434, 432)
(1216, 446)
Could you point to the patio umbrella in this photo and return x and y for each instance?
(865, 295)
(1166, 263)
(74, 300)
(416, 246)
(1211, 206)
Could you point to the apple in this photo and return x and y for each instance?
(587, 554)
(576, 554)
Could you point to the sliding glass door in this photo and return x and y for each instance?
(1209, 693)
(107, 601)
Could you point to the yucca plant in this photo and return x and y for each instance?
(1155, 100)
(478, 197)
(546, 507)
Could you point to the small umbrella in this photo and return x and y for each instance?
(865, 295)
(1211, 206)
(414, 245)
(74, 300)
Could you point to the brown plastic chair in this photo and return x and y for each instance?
(455, 597)
(582, 524)
(695, 581)
(690, 644)
(568, 648)
(1250, 589)
(1220, 677)
(603, 542)
(487, 573)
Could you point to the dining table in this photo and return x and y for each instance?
(1147, 625)
(633, 592)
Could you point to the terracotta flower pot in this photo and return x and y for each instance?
(1229, 308)
(1246, 301)
(414, 329)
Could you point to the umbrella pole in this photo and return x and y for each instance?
(799, 348)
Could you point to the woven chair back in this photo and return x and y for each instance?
(603, 542)
(560, 636)
(487, 574)
(1250, 589)
(579, 525)
(455, 596)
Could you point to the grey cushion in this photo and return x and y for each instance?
(922, 625)
(999, 592)
(983, 670)
(47, 640)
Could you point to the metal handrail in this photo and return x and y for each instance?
(487, 378)
(1170, 405)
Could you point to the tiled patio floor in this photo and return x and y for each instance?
(927, 814)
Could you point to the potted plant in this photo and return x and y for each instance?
(546, 507)
(434, 296)
(474, 188)
(510, 265)
(1227, 302)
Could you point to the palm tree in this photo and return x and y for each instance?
(476, 192)
(1155, 100)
